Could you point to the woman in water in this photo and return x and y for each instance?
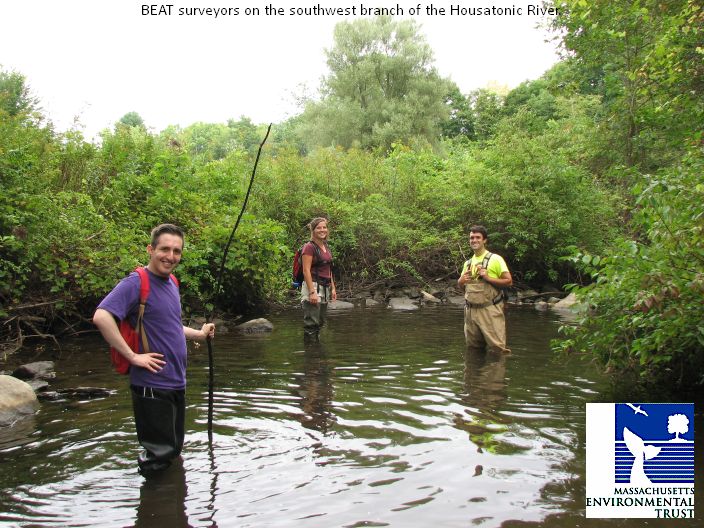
(318, 285)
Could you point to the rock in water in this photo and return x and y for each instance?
(86, 392)
(566, 303)
(456, 300)
(340, 305)
(402, 303)
(429, 298)
(255, 326)
(37, 370)
(17, 399)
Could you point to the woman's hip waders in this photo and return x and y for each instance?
(314, 314)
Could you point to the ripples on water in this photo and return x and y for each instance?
(386, 422)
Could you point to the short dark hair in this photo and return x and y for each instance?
(169, 229)
(479, 229)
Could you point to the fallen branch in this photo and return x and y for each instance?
(40, 334)
(37, 305)
(94, 235)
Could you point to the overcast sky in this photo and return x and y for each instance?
(93, 61)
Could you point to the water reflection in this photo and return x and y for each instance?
(485, 389)
(18, 433)
(162, 498)
(485, 379)
(315, 388)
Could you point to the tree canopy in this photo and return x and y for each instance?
(382, 88)
(131, 119)
(646, 59)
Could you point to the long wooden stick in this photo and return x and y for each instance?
(219, 285)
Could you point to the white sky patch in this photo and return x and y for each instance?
(91, 62)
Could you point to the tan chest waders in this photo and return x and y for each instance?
(479, 293)
(484, 322)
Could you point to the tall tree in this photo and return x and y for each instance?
(382, 88)
(246, 133)
(15, 97)
(650, 56)
(462, 120)
(131, 119)
(487, 105)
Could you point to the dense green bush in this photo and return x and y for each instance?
(75, 218)
(405, 215)
(255, 270)
(644, 310)
(78, 214)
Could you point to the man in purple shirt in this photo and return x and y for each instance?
(157, 378)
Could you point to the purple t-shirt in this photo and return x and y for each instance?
(162, 324)
(320, 266)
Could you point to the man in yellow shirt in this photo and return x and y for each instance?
(483, 278)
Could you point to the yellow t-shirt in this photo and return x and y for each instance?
(497, 265)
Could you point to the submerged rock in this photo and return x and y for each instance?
(37, 370)
(19, 434)
(402, 303)
(38, 385)
(77, 393)
(255, 326)
(86, 392)
(17, 400)
(456, 299)
(50, 395)
(340, 305)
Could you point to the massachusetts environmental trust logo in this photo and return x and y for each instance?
(640, 460)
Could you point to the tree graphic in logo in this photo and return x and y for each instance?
(677, 424)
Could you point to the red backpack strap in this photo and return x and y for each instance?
(143, 284)
(143, 294)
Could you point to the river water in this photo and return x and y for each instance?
(388, 421)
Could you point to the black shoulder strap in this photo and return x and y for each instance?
(316, 254)
(327, 248)
(501, 296)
